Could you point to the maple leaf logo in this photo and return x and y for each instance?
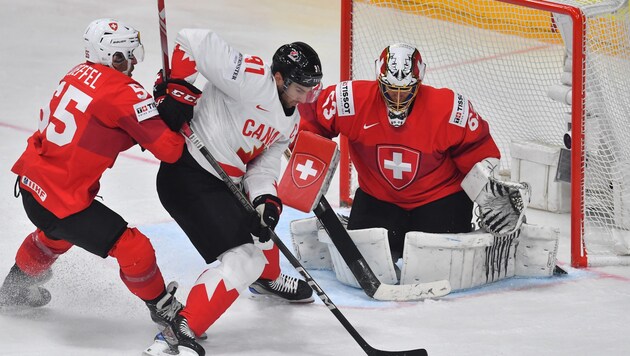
(248, 156)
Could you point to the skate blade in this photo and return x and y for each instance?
(161, 348)
(262, 294)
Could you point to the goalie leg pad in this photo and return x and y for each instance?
(312, 253)
(374, 246)
(458, 258)
(536, 251)
(466, 260)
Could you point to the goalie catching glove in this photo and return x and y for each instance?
(501, 205)
(175, 100)
(268, 209)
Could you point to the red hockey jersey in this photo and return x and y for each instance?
(414, 164)
(95, 113)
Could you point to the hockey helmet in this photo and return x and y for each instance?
(105, 37)
(298, 63)
(399, 72)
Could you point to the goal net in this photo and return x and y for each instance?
(534, 69)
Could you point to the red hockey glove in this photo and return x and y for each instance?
(159, 88)
(268, 209)
(176, 99)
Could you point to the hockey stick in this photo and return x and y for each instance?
(188, 133)
(163, 39)
(359, 267)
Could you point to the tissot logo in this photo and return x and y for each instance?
(144, 108)
(460, 111)
(345, 100)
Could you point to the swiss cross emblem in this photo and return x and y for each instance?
(306, 170)
(399, 165)
(113, 26)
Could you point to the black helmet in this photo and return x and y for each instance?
(298, 63)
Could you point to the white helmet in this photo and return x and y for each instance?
(104, 37)
(399, 72)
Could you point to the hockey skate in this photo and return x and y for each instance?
(20, 290)
(285, 287)
(176, 339)
(164, 311)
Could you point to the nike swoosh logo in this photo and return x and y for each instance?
(366, 126)
(261, 108)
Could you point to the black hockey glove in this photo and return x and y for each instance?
(268, 210)
(176, 99)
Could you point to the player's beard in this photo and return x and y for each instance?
(286, 100)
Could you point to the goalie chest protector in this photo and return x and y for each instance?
(309, 171)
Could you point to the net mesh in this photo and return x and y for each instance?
(506, 58)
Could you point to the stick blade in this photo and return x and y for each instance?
(416, 352)
(411, 292)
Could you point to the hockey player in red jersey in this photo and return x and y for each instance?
(246, 118)
(96, 112)
(412, 146)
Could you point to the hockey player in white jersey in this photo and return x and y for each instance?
(246, 117)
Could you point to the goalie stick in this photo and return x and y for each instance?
(188, 133)
(359, 267)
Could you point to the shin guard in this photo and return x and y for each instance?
(138, 266)
(37, 253)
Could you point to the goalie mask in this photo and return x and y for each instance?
(105, 37)
(399, 72)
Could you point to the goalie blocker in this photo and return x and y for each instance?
(310, 172)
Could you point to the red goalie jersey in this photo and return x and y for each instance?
(414, 164)
(95, 113)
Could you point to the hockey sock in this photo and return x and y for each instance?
(217, 288)
(207, 301)
(272, 268)
(37, 253)
(138, 266)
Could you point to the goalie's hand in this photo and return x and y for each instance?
(268, 209)
(176, 99)
(502, 206)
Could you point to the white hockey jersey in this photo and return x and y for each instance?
(239, 117)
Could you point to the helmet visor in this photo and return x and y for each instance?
(312, 95)
(128, 44)
(129, 55)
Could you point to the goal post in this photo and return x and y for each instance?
(533, 69)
